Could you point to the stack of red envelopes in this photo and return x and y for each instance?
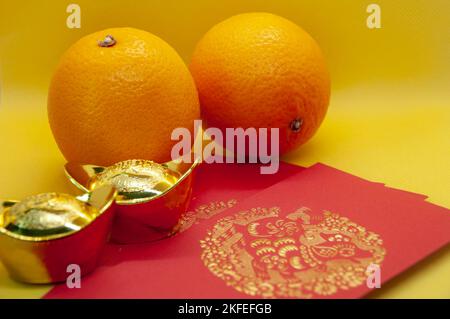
(301, 233)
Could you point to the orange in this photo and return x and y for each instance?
(117, 98)
(263, 71)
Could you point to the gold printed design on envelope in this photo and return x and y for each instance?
(203, 212)
(301, 255)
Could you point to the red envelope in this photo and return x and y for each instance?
(319, 233)
(217, 187)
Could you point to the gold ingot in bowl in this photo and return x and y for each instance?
(151, 197)
(42, 235)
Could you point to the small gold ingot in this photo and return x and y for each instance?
(151, 197)
(42, 235)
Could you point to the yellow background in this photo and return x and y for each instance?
(389, 114)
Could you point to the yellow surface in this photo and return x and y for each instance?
(389, 115)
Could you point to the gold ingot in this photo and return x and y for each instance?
(151, 197)
(42, 235)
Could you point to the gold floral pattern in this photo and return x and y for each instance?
(302, 255)
(203, 212)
